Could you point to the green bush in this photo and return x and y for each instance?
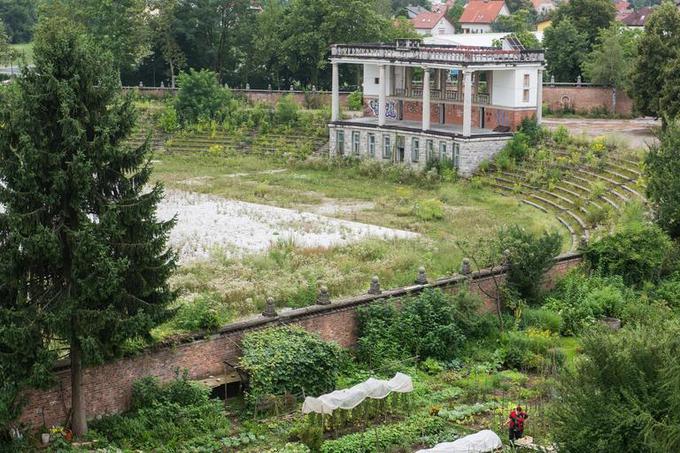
(622, 395)
(200, 97)
(581, 300)
(430, 209)
(561, 135)
(530, 257)
(542, 319)
(289, 360)
(638, 253)
(518, 147)
(355, 101)
(199, 314)
(169, 120)
(532, 349)
(166, 418)
(431, 325)
(404, 434)
(287, 111)
(533, 131)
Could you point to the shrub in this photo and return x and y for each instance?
(430, 209)
(622, 396)
(169, 120)
(638, 253)
(532, 130)
(663, 187)
(561, 135)
(167, 418)
(532, 349)
(355, 101)
(287, 111)
(580, 300)
(199, 314)
(431, 325)
(289, 360)
(530, 257)
(200, 97)
(541, 319)
(518, 147)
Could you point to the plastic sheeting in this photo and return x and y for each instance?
(352, 397)
(481, 442)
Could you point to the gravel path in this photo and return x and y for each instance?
(206, 222)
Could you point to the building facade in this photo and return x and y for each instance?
(479, 15)
(423, 102)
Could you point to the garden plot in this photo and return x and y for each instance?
(206, 223)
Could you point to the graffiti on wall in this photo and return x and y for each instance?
(390, 111)
(502, 118)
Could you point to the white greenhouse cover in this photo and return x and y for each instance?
(481, 442)
(352, 397)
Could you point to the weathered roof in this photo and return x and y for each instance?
(428, 19)
(481, 11)
(638, 18)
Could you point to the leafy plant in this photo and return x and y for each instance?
(355, 101)
(289, 360)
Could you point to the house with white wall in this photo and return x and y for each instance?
(433, 23)
(431, 101)
(479, 15)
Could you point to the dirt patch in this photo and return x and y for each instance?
(206, 222)
(637, 133)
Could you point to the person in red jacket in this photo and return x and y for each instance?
(516, 423)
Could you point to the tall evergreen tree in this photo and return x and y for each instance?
(84, 259)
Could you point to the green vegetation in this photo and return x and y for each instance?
(663, 180)
(288, 360)
(85, 261)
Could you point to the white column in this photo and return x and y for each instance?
(426, 99)
(467, 103)
(539, 97)
(335, 108)
(382, 96)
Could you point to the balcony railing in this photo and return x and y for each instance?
(456, 55)
(441, 95)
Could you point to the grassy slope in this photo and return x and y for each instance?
(238, 287)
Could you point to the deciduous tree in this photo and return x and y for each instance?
(663, 186)
(658, 50)
(84, 257)
(565, 48)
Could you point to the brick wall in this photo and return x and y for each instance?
(585, 98)
(108, 387)
(266, 96)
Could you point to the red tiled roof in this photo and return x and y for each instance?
(537, 3)
(622, 5)
(481, 11)
(428, 19)
(638, 18)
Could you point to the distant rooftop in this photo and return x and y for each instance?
(481, 11)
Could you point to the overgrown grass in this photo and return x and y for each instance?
(237, 287)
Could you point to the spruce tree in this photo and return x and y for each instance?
(84, 261)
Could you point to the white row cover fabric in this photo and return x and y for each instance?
(352, 397)
(481, 442)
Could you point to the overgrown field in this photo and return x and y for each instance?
(442, 212)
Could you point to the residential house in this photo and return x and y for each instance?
(433, 23)
(478, 15)
(543, 7)
(637, 19)
(425, 102)
(413, 11)
(623, 9)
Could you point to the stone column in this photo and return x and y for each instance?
(539, 97)
(426, 99)
(467, 103)
(335, 109)
(382, 96)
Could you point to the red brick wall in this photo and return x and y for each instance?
(107, 388)
(584, 99)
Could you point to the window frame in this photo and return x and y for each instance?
(442, 146)
(356, 143)
(429, 149)
(456, 156)
(387, 147)
(340, 142)
(415, 149)
(371, 144)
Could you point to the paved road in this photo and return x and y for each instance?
(635, 133)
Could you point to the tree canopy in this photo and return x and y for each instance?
(654, 82)
(19, 17)
(565, 48)
(611, 60)
(84, 258)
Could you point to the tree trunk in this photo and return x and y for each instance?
(614, 100)
(79, 422)
(172, 74)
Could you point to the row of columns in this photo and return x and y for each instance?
(426, 120)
